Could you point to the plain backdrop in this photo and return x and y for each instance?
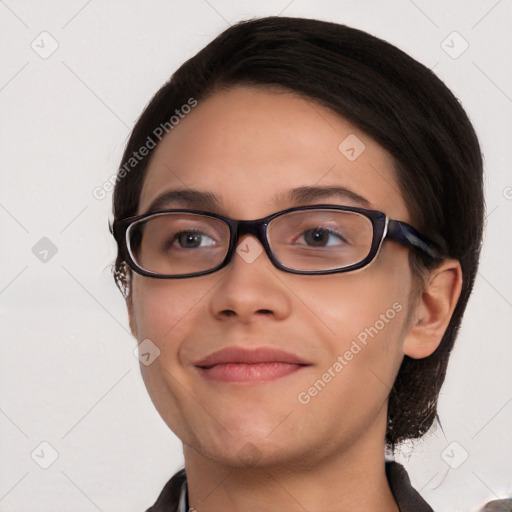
(74, 76)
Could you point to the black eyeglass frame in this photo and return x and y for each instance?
(383, 228)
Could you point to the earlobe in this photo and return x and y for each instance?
(434, 309)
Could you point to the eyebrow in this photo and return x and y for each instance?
(210, 202)
(188, 198)
(309, 194)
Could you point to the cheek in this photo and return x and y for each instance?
(348, 305)
(363, 317)
(161, 307)
(164, 312)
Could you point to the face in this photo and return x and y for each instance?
(250, 147)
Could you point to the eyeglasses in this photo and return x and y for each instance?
(311, 240)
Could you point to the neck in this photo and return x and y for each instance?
(350, 479)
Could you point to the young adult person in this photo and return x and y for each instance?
(299, 218)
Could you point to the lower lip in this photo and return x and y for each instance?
(258, 372)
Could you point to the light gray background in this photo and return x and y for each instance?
(68, 375)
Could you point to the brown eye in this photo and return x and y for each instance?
(320, 237)
(191, 240)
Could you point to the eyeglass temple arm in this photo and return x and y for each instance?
(407, 235)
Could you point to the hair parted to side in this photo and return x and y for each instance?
(398, 102)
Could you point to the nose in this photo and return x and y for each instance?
(249, 287)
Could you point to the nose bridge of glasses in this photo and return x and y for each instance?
(255, 228)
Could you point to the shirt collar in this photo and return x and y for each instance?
(183, 503)
(407, 498)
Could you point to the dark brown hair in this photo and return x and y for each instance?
(390, 96)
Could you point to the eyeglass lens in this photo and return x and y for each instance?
(309, 240)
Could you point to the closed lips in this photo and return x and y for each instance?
(237, 365)
(236, 355)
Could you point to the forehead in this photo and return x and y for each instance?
(248, 149)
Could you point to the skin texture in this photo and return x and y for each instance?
(255, 446)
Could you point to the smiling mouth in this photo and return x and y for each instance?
(240, 364)
(249, 372)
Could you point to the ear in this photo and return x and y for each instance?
(433, 309)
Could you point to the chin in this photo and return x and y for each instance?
(245, 454)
